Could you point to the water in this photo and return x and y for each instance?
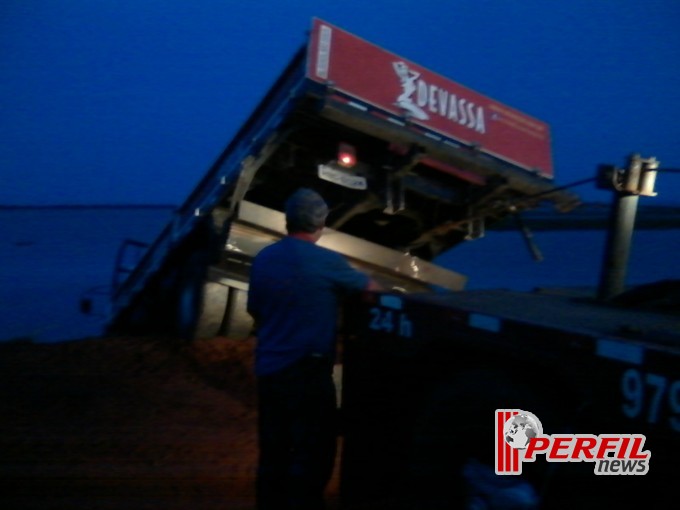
(571, 258)
(50, 258)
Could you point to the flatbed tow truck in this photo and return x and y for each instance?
(412, 164)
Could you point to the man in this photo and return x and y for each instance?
(295, 290)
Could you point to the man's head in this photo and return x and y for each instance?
(306, 211)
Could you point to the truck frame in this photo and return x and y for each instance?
(436, 164)
(431, 164)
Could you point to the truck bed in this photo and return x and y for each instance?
(561, 311)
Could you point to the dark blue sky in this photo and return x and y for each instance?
(130, 101)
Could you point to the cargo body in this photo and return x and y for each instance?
(434, 164)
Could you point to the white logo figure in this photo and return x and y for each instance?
(408, 83)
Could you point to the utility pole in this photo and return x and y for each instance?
(628, 185)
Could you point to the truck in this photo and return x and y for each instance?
(412, 164)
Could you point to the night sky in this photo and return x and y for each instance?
(131, 101)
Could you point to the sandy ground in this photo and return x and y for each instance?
(142, 423)
(133, 423)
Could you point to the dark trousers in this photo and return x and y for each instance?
(297, 436)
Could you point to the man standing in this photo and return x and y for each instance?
(295, 291)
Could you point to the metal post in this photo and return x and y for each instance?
(226, 326)
(617, 249)
(626, 185)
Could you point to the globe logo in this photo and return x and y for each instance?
(519, 429)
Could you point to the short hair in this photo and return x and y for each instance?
(306, 211)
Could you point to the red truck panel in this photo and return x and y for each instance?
(391, 83)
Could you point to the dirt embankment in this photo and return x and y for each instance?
(127, 423)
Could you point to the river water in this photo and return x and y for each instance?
(52, 257)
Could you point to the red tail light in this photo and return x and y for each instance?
(346, 155)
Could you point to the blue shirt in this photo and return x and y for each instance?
(295, 290)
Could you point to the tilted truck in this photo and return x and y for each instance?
(411, 164)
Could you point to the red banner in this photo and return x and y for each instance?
(399, 87)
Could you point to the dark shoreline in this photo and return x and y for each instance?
(91, 206)
(587, 216)
(593, 216)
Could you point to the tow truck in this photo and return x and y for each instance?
(413, 164)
